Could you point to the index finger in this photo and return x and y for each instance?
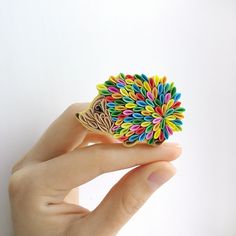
(63, 135)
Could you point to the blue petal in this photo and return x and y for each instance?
(137, 115)
(166, 87)
(128, 119)
(150, 103)
(120, 85)
(127, 99)
(114, 119)
(177, 96)
(165, 133)
(133, 137)
(111, 104)
(144, 77)
(141, 103)
(177, 122)
(162, 98)
(160, 88)
(148, 118)
(142, 137)
(136, 88)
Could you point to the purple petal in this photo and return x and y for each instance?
(150, 96)
(115, 128)
(113, 89)
(169, 130)
(127, 112)
(157, 120)
(149, 135)
(134, 127)
(167, 97)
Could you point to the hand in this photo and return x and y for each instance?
(41, 182)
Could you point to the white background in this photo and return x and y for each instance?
(53, 53)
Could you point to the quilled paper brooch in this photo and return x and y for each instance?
(135, 108)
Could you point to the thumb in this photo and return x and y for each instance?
(128, 195)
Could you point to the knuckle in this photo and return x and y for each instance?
(15, 186)
(131, 203)
(19, 183)
(72, 108)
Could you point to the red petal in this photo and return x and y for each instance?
(140, 130)
(123, 138)
(161, 137)
(176, 104)
(140, 96)
(109, 99)
(129, 77)
(121, 116)
(159, 111)
(152, 83)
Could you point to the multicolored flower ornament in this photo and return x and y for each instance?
(135, 108)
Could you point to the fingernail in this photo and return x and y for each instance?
(159, 177)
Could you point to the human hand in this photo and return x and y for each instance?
(41, 182)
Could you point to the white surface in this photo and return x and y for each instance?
(52, 53)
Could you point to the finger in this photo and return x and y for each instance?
(63, 135)
(127, 196)
(97, 138)
(75, 168)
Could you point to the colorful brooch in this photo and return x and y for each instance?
(135, 108)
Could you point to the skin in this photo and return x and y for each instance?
(43, 183)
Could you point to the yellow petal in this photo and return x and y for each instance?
(150, 109)
(138, 82)
(129, 133)
(132, 95)
(120, 108)
(155, 92)
(146, 86)
(126, 125)
(172, 125)
(117, 95)
(101, 87)
(129, 81)
(130, 105)
(145, 113)
(117, 135)
(145, 123)
(179, 115)
(155, 115)
(124, 131)
(171, 117)
(163, 80)
(113, 79)
(119, 122)
(124, 92)
(164, 108)
(170, 103)
(156, 79)
(156, 127)
(157, 134)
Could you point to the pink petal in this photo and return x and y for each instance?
(134, 127)
(150, 96)
(157, 120)
(167, 97)
(127, 112)
(149, 135)
(113, 89)
(169, 130)
(115, 128)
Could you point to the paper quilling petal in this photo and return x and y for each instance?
(135, 108)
